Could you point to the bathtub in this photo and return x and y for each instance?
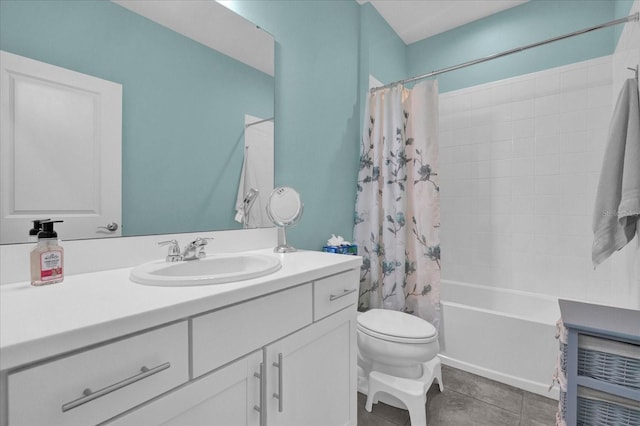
(503, 335)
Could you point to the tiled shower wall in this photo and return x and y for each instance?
(520, 161)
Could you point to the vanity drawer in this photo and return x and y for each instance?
(95, 385)
(334, 293)
(229, 333)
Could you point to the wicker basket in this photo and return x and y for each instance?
(611, 362)
(604, 413)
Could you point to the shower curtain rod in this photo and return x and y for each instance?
(634, 17)
(258, 122)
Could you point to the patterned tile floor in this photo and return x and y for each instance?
(469, 400)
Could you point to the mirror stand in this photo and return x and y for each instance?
(282, 246)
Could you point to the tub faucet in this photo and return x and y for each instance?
(195, 249)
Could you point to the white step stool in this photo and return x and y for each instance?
(412, 392)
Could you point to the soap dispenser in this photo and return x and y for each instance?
(47, 258)
(37, 227)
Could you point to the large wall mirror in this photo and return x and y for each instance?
(195, 77)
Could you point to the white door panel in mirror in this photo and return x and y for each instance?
(61, 149)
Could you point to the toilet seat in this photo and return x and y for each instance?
(395, 326)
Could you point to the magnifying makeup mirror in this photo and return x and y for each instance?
(284, 209)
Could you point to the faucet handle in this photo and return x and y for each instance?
(174, 254)
(195, 249)
(202, 241)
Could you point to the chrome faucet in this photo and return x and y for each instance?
(195, 249)
(174, 250)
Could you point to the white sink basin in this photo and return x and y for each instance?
(213, 269)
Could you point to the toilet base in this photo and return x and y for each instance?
(432, 370)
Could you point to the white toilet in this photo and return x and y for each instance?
(397, 360)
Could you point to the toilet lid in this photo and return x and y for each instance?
(396, 326)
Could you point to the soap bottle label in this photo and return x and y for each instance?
(50, 265)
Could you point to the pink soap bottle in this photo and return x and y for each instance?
(47, 258)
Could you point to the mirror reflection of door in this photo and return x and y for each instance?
(60, 150)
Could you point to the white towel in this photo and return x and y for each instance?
(257, 171)
(617, 206)
(248, 181)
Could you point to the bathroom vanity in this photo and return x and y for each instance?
(100, 349)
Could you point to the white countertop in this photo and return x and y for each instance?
(85, 309)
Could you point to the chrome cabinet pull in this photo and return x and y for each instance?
(278, 395)
(263, 384)
(333, 297)
(88, 395)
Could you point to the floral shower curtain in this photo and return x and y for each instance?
(398, 205)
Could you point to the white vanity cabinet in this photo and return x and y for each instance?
(284, 357)
(306, 378)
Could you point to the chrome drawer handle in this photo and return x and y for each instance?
(263, 385)
(278, 395)
(344, 293)
(88, 395)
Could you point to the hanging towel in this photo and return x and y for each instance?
(248, 181)
(257, 172)
(617, 206)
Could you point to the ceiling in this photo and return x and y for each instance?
(414, 20)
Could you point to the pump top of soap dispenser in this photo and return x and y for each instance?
(37, 227)
(47, 229)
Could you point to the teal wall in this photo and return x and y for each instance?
(386, 57)
(317, 109)
(382, 53)
(306, 31)
(179, 139)
(528, 23)
(325, 51)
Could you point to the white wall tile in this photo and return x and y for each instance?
(598, 117)
(522, 185)
(573, 79)
(524, 128)
(501, 168)
(598, 96)
(523, 147)
(522, 167)
(547, 145)
(573, 121)
(577, 141)
(600, 73)
(547, 83)
(546, 125)
(574, 100)
(547, 185)
(523, 89)
(519, 174)
(546, 105)
(548, 165)
(501, 149)
(522, 109)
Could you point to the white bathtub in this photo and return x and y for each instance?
(500, 334)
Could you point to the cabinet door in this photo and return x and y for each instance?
(226, 397)
(313, 373)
